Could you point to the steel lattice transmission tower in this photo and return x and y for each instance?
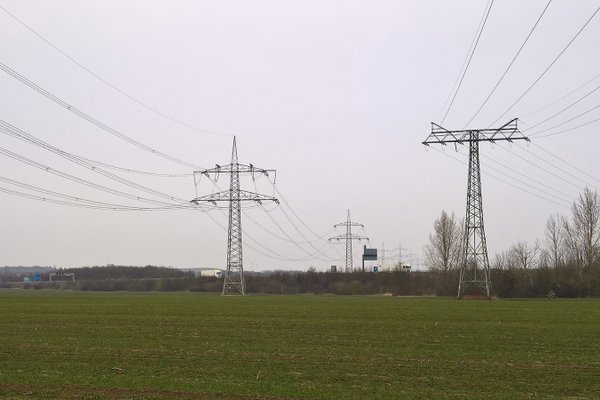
(233, 282)
(348, 237)
(475, 265)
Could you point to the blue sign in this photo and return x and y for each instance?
(376, 269)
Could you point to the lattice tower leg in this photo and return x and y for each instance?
(233, 282)
(475, 268)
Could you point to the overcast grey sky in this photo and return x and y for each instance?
(335, 95)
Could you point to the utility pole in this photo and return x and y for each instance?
(475, 265)
(233, 282)
(348, 237)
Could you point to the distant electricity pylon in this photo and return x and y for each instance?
(348, 237)
(233, 281)
(475, 265)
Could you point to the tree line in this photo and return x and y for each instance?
(566, 262)
(507, 283)
(274, 282)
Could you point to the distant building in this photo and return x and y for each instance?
(61, 276)
(217, 273)
(214, 272)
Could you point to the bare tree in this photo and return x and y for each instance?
(443, 253)
(572, 251)
(586, 226)
(500, 261)
(523, 256)
(554, 240)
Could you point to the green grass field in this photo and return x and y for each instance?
(185, 345)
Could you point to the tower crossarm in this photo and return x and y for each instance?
(348, 237)
(237, 169)
(348, 223)
(228, 195)
(507, 132)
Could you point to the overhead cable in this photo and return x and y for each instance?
(511, 63)
(22, 135)
(309, 253)
(561, 204)
(560, 98)
(553, 165)
(548, 68)
(563, 110)
(287, 204)
(77, 201)
(81, 181)
(570, 129)
(135, 171)
(91, 119)
(564, 122)
(566, 162)
(106, 82)
(470, 57)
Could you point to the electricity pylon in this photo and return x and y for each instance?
(233, 281)
(475, 265)
(348, 237)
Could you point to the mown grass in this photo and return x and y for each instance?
(186, 345)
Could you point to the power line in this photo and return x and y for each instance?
(545, 170)
(54, 201)
(579, 156)
(318, 251)
(529, 185)
(282, 238)
(505, 181)
(311, 243)
(553, 165)
(566, 163)
(561, 98)
(569, 130)
(135, 171)
(91, 119)
(112, 86)
(529, 177)
(277, 256)
(77, 201)
(22, 135)
(548, 68)
(287, 204)
(503, 165)
(564, 122)
(563, 110)
(447, 101)
(78, 180)
(511, 63)
(267, 252)
(470, 57)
